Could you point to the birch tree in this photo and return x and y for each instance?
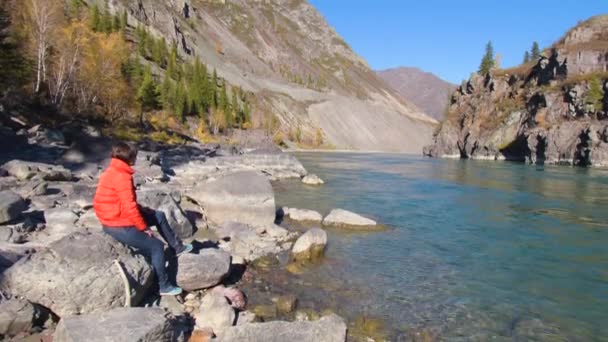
(41, 17)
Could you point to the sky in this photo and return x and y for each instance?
(448, 37)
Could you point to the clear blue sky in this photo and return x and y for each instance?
(448, 37)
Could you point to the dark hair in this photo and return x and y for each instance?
(125, 152)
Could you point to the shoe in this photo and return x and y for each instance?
(187, 248)
(171, 291)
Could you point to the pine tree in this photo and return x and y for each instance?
(234, 107)
(116, 23)
(179, 107)
(95, 21)
(141, 40)
(214, 85)
(595, 94)
(535, 52)
(124, 20)
(526, 57)
(172, 62)
(74, 9)
(224, 105)
(106, 21)
(13, 70)
(147, 94)
(487, 62)
(167, 93)
(246, 113)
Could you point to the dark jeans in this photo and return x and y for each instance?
(149, 246)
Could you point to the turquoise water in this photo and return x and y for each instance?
(477, 250)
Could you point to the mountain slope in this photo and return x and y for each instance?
(302, 72)
(427, 91)
(553, 110)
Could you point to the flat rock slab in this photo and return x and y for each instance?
(11, 206)
(245, 197)
(118, 325)
(328, 329)
(203, 270)
(344, 218)
(76, 275)
(303, 215)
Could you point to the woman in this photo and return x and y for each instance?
(122, 218)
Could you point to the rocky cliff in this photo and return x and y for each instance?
(427, 91)
(302, 72)
(553, 110)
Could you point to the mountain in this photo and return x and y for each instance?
(305, 77)
(427, 91)
(552, 110)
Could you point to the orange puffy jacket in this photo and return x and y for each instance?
(115, 201)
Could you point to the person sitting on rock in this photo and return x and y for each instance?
(115, 205)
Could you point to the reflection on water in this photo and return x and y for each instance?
(480, 250)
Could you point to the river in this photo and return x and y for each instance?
(475, 251)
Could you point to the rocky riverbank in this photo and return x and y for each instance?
(62, 279)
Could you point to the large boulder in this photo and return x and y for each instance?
(344, 218)
(203, 270)
(328, 329)
(120, 324)
(77, 275)
(310, 245)
(215, 313)
(11, 206)
(244, 197)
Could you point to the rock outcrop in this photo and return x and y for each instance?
(550, 111)
(76, 275)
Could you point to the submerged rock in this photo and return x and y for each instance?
(117, 325)
(310, 246)
(312, 180)
(328, 329)
(76, 275)
(245, 197)
(11, 206)
(344, 218)
(203, 270)
(286, 304)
